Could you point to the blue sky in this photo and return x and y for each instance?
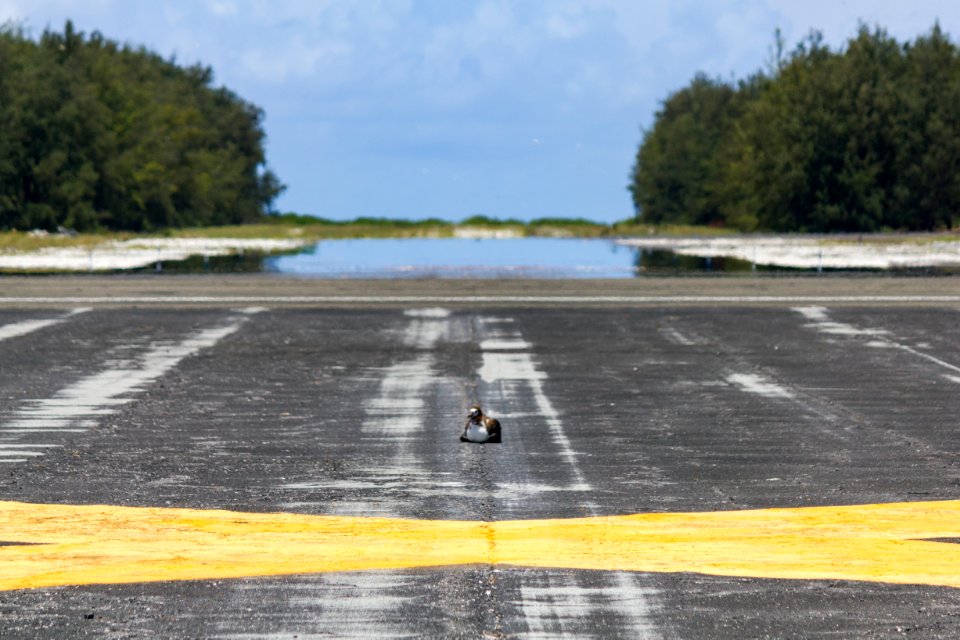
(450, 108)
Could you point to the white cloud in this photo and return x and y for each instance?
(222, 8)
(296, 59)
(565, 24)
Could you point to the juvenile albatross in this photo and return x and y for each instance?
(480, 428)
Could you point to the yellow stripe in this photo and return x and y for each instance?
(76, 545)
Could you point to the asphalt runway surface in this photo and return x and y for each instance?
(711, 413)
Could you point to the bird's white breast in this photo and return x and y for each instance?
(477, 433)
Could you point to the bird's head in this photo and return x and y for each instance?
(474, 412)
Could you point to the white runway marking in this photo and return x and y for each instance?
(556, 609)
(99, 394)
(952, 378)
(822, 323)
(513, 362)
(365, 604)
(507, 357)
(504, 345)
(6, 446)
(759, 385)
(436, 313)
(422, 484)
(926, 356)
(676, 337)
(396, 416)
(22, 328)
(559, 300)
(369, 604)
(76, 408)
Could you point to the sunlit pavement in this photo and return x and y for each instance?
(716, 470)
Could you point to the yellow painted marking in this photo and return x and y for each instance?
(76, 545)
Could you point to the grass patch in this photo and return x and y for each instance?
(309, 229)
(25, 241)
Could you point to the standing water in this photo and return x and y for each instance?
(503, 258)
(483, 258)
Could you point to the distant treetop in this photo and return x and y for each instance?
(865, 138)
(98, 135)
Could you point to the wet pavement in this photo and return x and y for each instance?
(338, 411)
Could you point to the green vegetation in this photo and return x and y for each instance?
(862, 139)
(102, 136)
(319, 228)
(310, 229)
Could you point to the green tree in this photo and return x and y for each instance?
(672, 175)
(926, 192)
(861, 139)
(99, 135)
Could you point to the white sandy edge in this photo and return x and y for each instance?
(485, 233)
(809, 253)
(139, 252)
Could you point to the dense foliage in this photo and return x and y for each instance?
(862, 139)
(98, 135)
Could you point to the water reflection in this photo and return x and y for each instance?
(480, 258)
(661, 261)
(491, 258)
(461, 258)
(243, 262)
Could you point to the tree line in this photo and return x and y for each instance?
(864, 138)
(98, 135)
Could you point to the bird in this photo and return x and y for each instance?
(480, 428)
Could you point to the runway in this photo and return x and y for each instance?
(241, 468)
